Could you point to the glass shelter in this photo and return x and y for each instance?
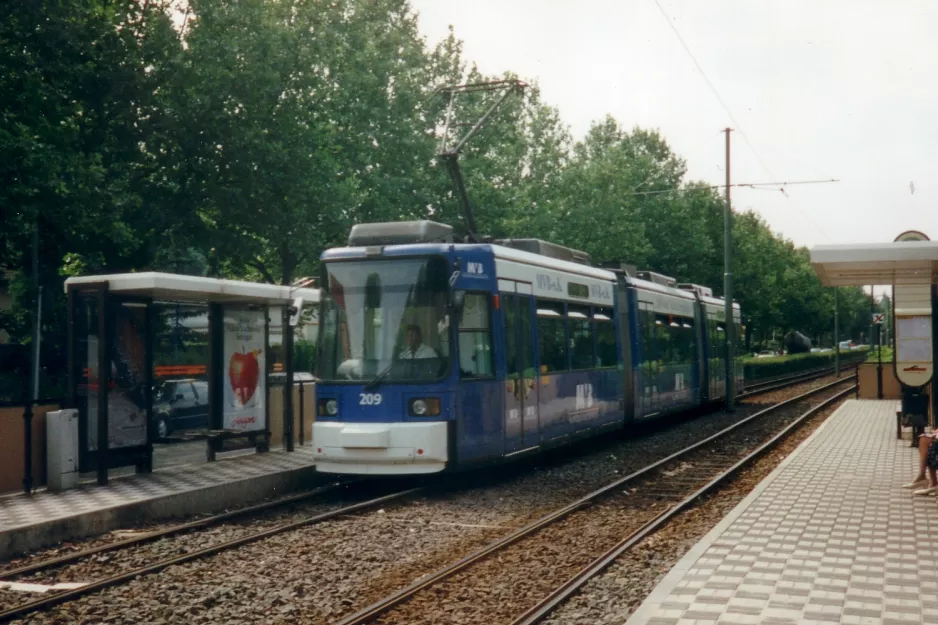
(163, 358)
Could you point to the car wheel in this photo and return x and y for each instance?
(162, 427)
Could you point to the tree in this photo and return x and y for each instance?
(81, 139)
(309, 113)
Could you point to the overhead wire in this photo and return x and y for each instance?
(752, 185)
(732, 117)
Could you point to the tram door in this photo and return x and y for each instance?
(521, 425)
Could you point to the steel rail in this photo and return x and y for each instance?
(378, 608)
(780, 383)
(760, 386)
(171, 531)
(545, 607)
(70, 595)
(790, 377)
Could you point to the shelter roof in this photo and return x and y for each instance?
(860, 264)
(175, 287)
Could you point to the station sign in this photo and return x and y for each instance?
(911, 235)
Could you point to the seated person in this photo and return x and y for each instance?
(415, 347)
(928, 459)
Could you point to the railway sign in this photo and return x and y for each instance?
(879, 318)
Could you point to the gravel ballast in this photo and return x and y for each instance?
(318, 573)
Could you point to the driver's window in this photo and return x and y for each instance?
(475, 337)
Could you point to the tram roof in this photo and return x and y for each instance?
(498, 251)
(860, 264)
(175, 287)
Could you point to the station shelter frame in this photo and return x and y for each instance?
(111, 321)
(910, 260)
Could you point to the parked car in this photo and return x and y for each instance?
(180, 405)
(846, 345)
(766, 354)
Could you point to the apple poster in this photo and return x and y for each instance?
(244, 382)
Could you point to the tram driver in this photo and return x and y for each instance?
(416, 349)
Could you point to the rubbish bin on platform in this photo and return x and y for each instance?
(62, 449)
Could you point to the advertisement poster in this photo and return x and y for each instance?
(245, 378)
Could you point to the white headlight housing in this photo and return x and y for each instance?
(419, 407)
(332, 407)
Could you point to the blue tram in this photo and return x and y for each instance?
(437, 355)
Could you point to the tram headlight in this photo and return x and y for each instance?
(328, 407)
(425, 407)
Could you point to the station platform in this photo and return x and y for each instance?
(46, 518)
(828, 537)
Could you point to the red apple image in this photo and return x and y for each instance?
(243, 373)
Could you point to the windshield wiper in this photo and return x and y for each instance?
(375, 381)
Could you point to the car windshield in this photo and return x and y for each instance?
(385, 321)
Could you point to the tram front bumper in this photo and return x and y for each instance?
(380, 448)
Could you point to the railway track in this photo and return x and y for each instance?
(773, 384)
(106, 581)
(34, 572)
(547, 560)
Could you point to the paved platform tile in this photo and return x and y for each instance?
(829, 537)
(30, 522)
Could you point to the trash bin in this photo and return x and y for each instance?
(915, 410)
(62, 449)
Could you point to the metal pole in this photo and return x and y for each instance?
(288, 384)
(837, 330)
(37, 340)
(302, 412)
(729, 324)
(879, 366)
(104, 380)
(34, 396)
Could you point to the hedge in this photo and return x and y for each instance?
(758, 369)
(874, 355)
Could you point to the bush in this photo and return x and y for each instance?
(761, 368)
(874, 356)
(304, 356)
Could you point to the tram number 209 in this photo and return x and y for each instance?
(369, 399)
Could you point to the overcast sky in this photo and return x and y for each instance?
(845, 90)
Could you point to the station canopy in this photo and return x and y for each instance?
(174, 287)
(861, 264)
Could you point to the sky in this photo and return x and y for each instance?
(813, 90)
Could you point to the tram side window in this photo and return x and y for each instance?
(717, 340)
(738, 339)
(552, 336)
(605, 338)
(646, 319)
(665, 341)
(681, 339)
(581, 338)
(689, 337)
(711, 332)
(475, 337)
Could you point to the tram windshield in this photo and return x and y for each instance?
(385, 321)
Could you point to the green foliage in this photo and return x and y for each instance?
(304, 356)
(874, 355)
(762, 368)
(244, 139)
